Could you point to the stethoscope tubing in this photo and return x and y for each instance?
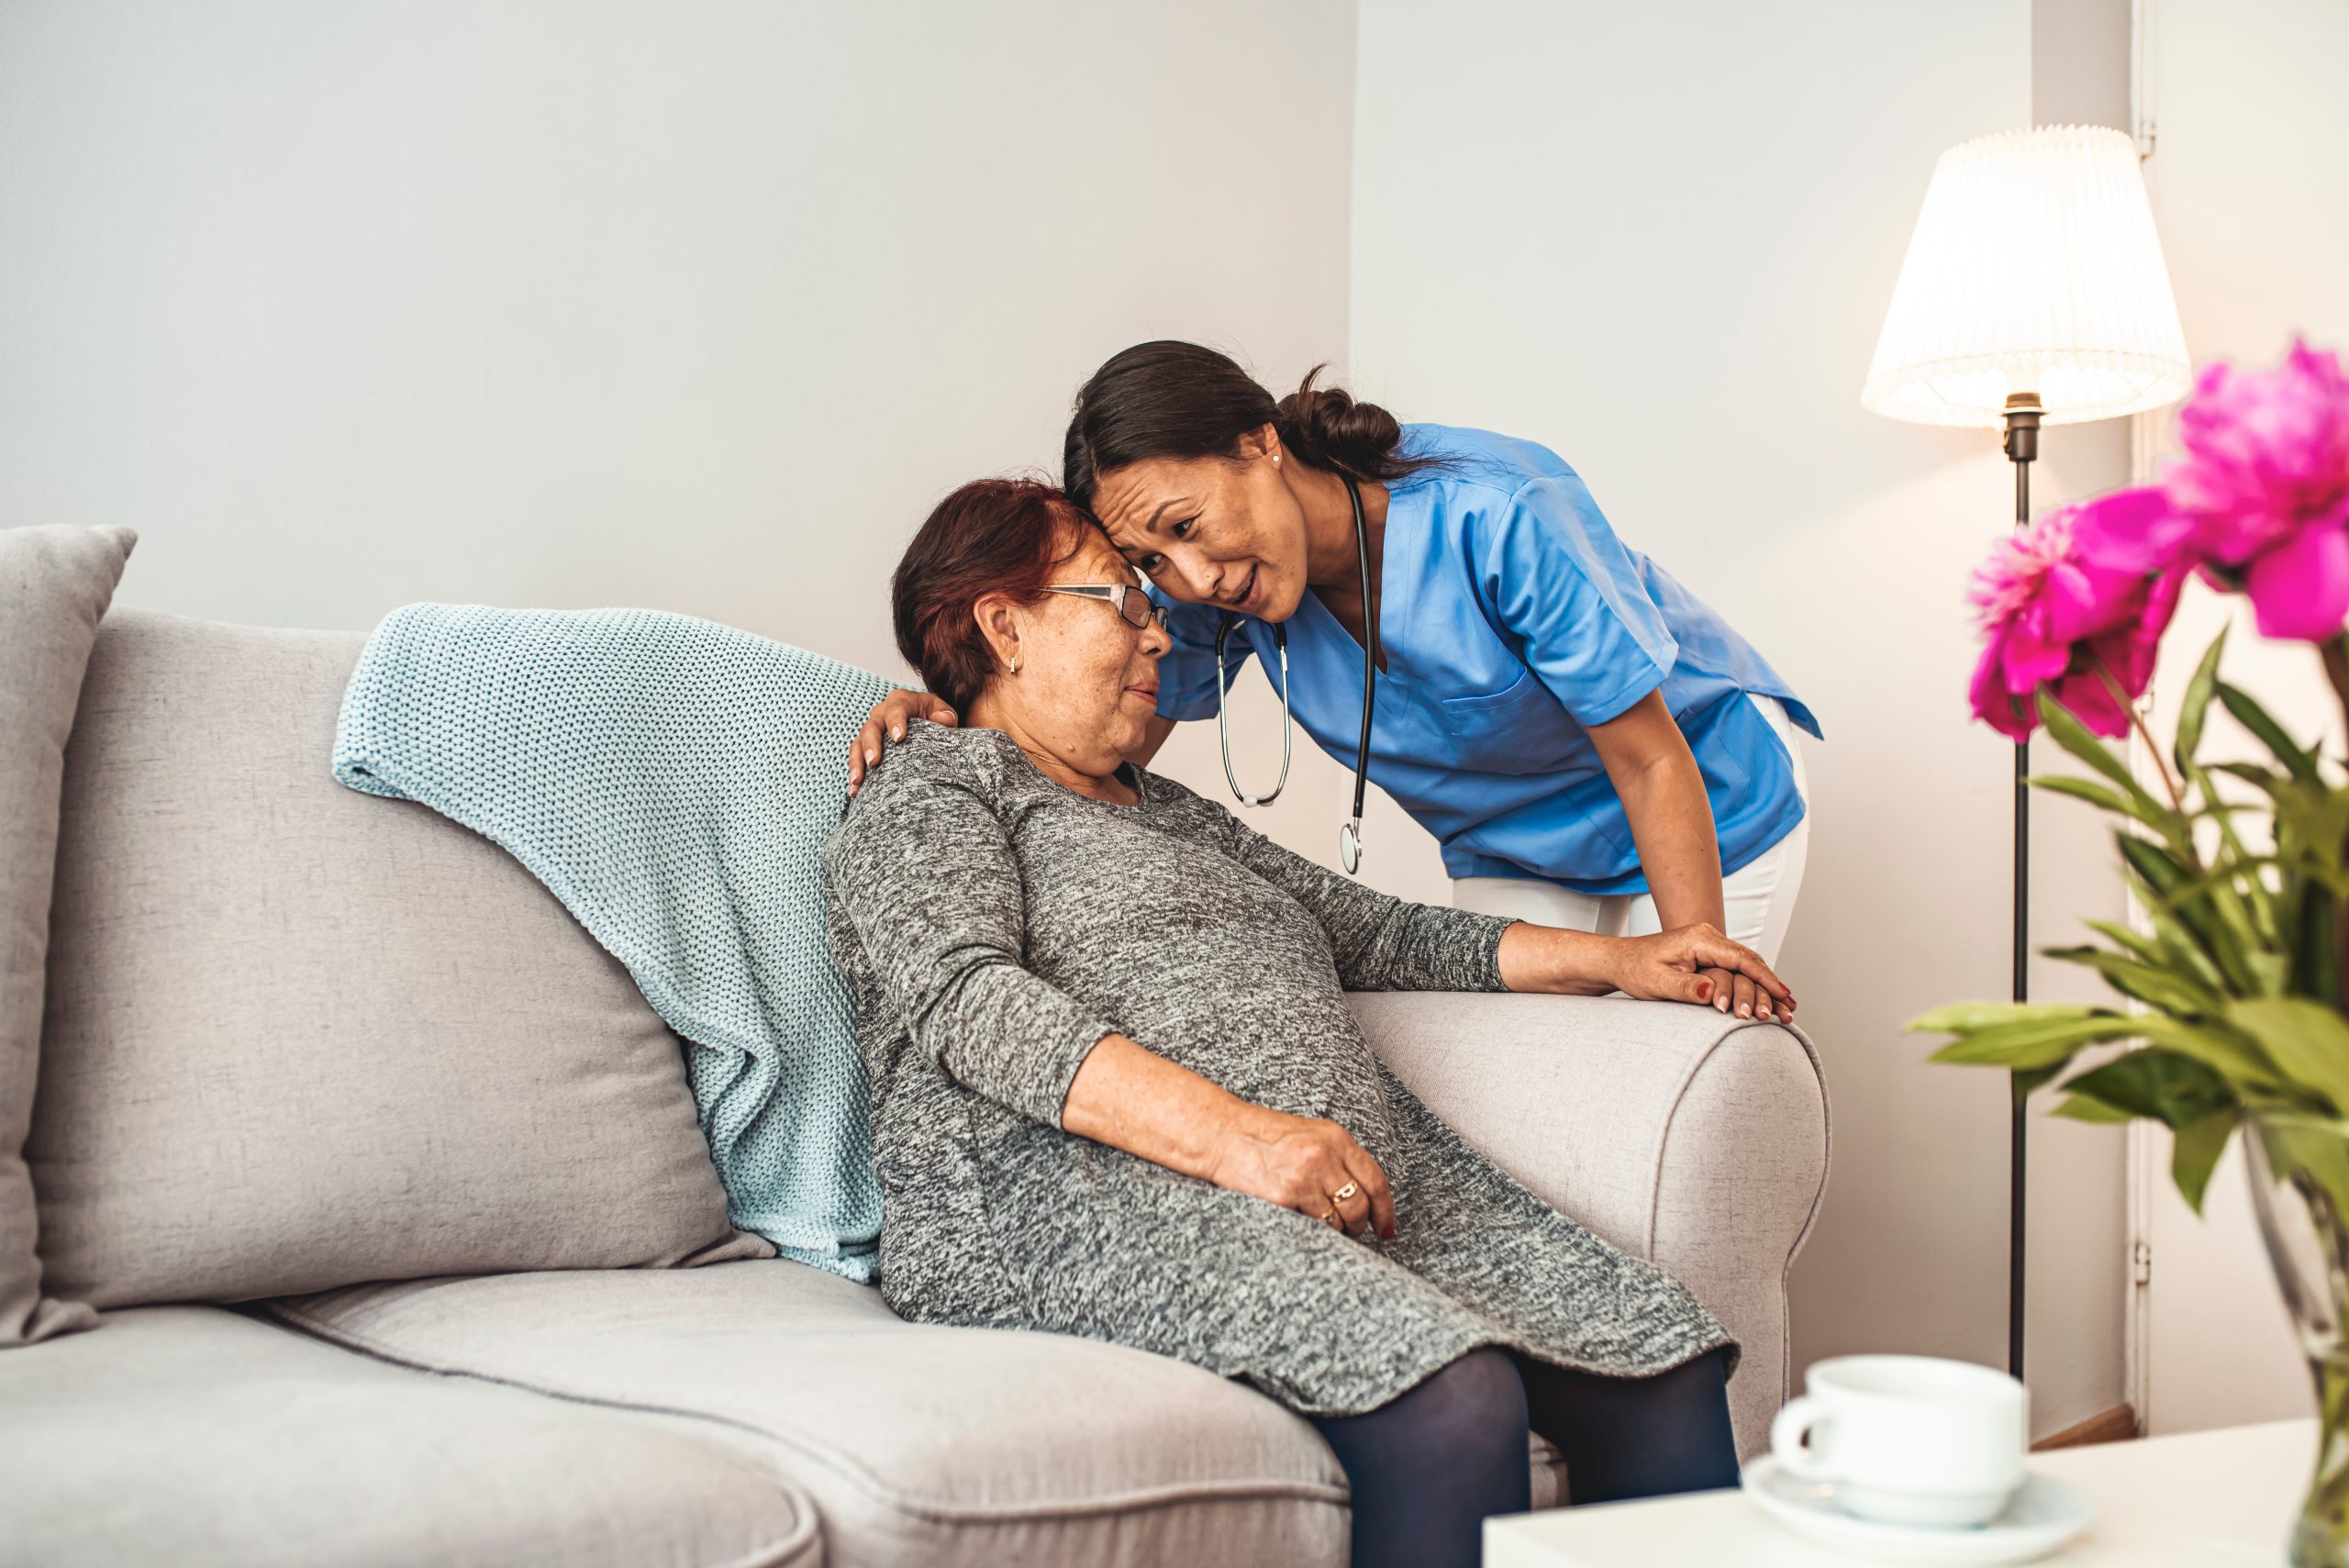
(1350, 834)
(1223, 692)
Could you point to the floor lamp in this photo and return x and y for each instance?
(2033, 293)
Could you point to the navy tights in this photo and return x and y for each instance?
(1427, 1467)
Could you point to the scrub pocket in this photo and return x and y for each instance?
(1520, 728)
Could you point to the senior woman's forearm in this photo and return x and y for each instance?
(1563, 963)
(1132, 1098)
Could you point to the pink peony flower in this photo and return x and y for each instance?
(2260, 501)
(2139, 531)
(2051, 617)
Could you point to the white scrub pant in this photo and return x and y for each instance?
(1757, 899)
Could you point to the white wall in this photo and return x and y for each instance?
(2250, 180)
(566, 305)
(1661, 240)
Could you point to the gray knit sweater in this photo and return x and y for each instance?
(995, 925)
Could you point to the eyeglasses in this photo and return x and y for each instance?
(1134, 604)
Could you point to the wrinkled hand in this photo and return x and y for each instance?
(889, 716)
(1697, 964)
(1301, 1163)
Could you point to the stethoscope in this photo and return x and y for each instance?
(1349, 836)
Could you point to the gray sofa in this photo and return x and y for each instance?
(381, 1180)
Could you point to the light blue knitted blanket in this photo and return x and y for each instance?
(671, 780)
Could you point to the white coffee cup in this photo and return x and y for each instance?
(1908, 1439)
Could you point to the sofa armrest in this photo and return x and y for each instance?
(1691, 1139)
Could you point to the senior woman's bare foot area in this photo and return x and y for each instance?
(1118, 1093)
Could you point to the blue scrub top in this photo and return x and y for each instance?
(1511, 617)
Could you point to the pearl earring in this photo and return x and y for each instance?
(1015, 666)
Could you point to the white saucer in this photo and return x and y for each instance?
(2044, 1514)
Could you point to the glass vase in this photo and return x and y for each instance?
(2299, 1186)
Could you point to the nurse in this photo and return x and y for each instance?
(1590, 744)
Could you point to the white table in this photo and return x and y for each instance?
(2222, 1500)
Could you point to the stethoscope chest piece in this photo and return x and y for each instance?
(1350, 846)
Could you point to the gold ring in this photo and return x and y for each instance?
(1343, 1194)
(1327, 1215)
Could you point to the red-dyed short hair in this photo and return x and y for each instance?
(992, 536)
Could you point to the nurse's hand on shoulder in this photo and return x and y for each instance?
(889, 717)
(1697, 964)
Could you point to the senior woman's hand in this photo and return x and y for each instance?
(1303, 1162)
(1132, 1098)
(888, 717)
(1671, 966)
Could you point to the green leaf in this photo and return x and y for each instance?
(2161, 870)
(1965, 1018)
(2024, 1081)
(2316, 952)
(2307, 1040)
(2299, 763)
(2273, 970)
(2304, 1124)
(2143, 946)
(2157, 985)
(2181, 949)
(2234, 1056)
(2195, 1150)
(2166, 823)
(2197, 703)
(2268, 781)
(2170, 893)
(2081, 1108)
(2311, 822)
(2176, 891)
(2254, 938)
(2069, 733)
(2065, 729)
(2038, 1042)
(2259, 904)
(2155, 1083)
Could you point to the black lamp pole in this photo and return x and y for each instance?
(2022, 446)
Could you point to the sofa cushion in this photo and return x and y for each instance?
(196, 1436)
(55, 583)
(299, 1037)
(921, 1444)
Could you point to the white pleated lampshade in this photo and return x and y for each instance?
(2034, 268)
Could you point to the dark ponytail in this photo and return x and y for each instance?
(1181, 401)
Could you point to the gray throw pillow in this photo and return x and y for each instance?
(300, 1036)
(55, 585)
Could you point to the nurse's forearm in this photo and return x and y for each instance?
(1672, 826)
(1153, 736)
(1655, 777)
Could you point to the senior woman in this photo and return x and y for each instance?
(1116, 1091)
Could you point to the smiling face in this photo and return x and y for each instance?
(1211, 531)
(1086, 684)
